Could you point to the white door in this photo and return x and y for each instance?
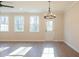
(49, 34)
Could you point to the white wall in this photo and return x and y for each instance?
(29, 36)
(71, 27)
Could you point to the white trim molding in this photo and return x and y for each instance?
(70, 45)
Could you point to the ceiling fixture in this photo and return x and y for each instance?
(2, 5)
(49, 15)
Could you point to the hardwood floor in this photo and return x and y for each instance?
(60, 49)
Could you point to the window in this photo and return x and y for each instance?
(3, 23)
(49, 25)
(34, 23)
(19, 23)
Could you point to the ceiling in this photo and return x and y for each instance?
(37, 6)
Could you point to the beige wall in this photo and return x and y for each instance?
(29, 36)
(71, 27)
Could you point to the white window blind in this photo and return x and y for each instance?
(19, 23)
(34, 23)
(4, 23)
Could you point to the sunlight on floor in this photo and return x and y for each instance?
(27, 58)
(48, 52)
(20, 51)
(3, 48)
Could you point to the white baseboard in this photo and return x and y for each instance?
(71, 46)
(30, 40)
(59, 40)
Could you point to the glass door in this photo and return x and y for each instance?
(49, 34)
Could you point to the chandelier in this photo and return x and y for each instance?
(49, 15)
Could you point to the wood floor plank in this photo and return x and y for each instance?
(60, 49)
